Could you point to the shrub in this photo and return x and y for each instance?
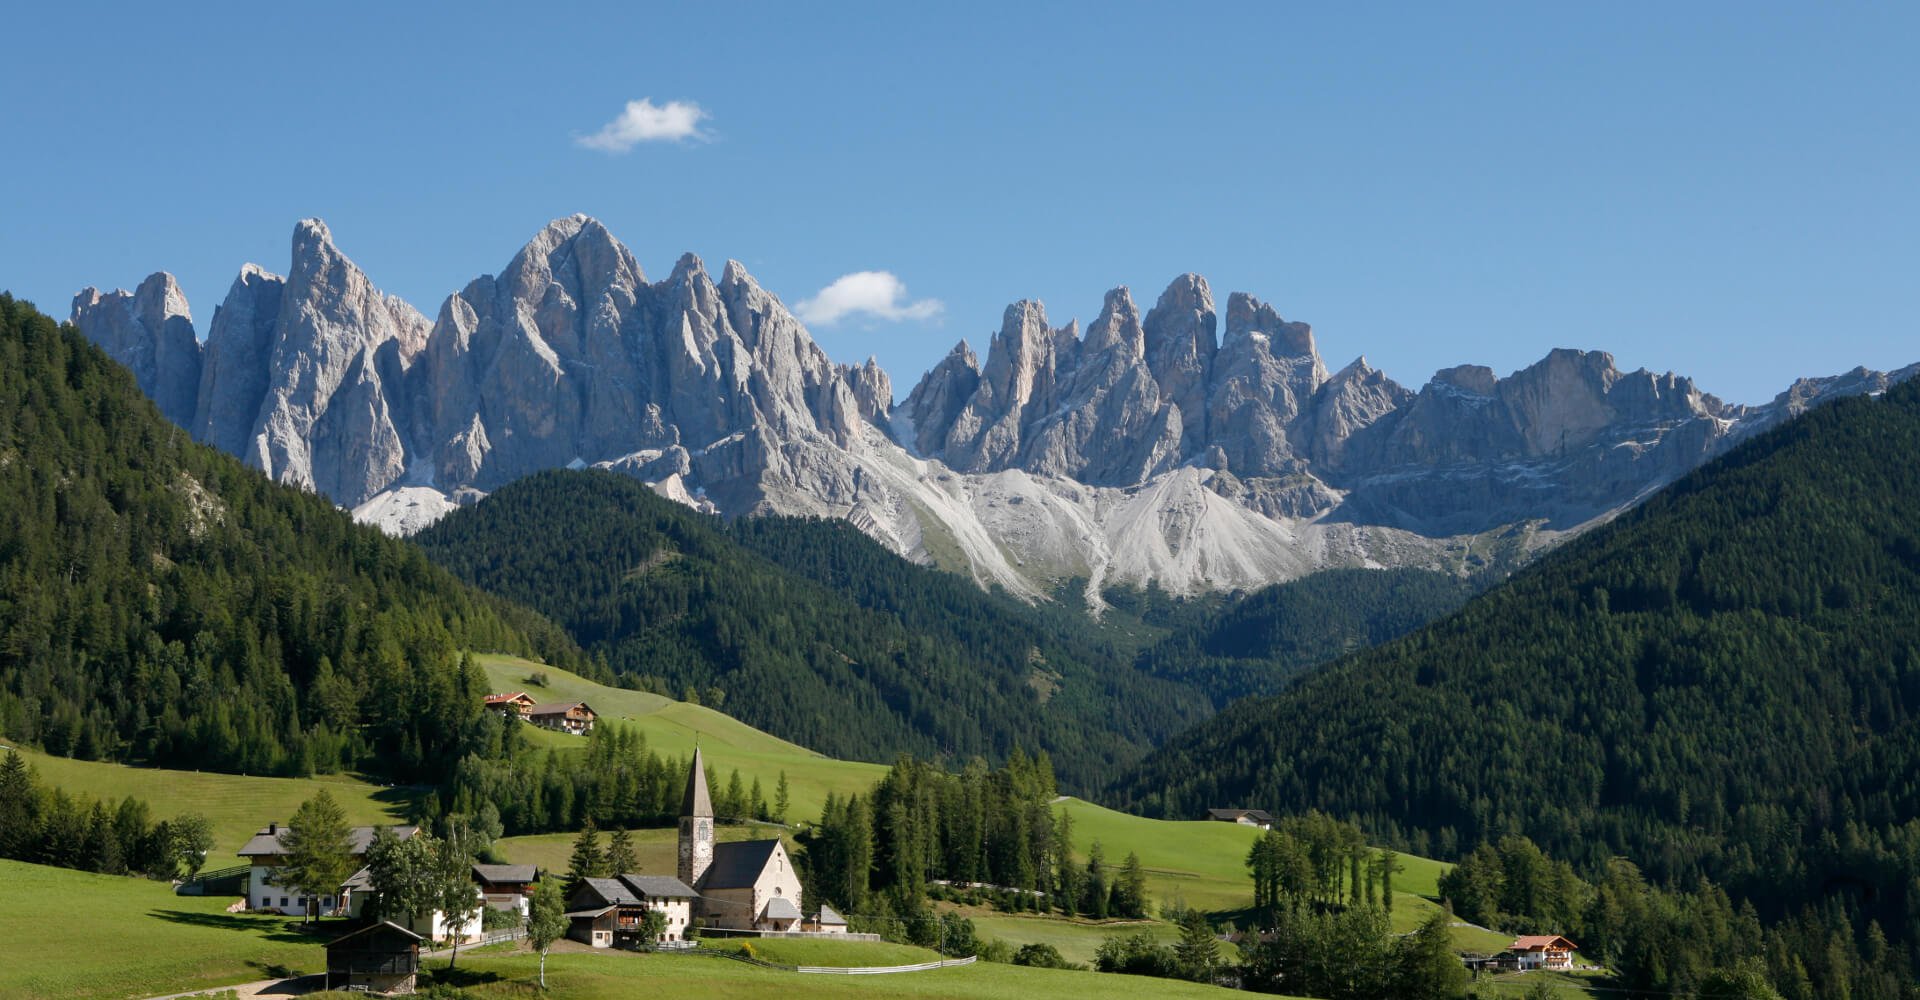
(1040, 956)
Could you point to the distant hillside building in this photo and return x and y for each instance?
(1244, 817)
(745, 885)
(514, 705)
(1542, 951)
(576, 717)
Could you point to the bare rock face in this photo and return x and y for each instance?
(236, 363)
(151, 332)
(331, 318)
(1147, 450)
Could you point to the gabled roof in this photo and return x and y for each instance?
(498, 874)
(1234, 815)
(501, 699)
(589, 912)
(696, 802)
(1534, 942)
(560, 708)
(362, 879)
(610, 891)
(384, 925)
(266, 843)
(827, 916)
(658, 886)
(738, 865)
(780, 908)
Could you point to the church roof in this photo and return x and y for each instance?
(827, 916)
(697, 802)
(781, 908)
(738, 865)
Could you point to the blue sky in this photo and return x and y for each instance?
(1727, 191)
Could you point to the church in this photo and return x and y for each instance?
(744, 885)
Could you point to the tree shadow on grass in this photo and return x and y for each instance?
(458, 977)
(271, 930)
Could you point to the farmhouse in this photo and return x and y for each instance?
(1542, 951)
(748, 885)
(576, 717)
(514, 705)
(378, 958)
(265, 854)
(609, 912)
(1244, 817)
(507, 887)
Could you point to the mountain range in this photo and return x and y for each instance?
(1144, 450)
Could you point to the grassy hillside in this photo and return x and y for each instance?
(810, 630)
(1716, 684)
(67, 935)
(236, 805)
(672, 727)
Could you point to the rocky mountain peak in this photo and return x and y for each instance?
(1117, 326)
(150, 330)
(1247, 315)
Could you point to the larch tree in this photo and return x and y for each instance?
(319, 850)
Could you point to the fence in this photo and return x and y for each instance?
(221, 882)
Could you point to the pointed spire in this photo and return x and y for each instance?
(697, 803)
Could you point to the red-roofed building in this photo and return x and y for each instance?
(515, 704)
(1543, 951)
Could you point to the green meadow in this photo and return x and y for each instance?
(582, 975)
(67, 935)
(237, 805)
(672, 727)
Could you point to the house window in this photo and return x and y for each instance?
(283, 900)
(326, 901)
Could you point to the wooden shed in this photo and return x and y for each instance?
(377, 958)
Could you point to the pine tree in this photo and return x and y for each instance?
(781, 799)
(1069, 883)
(1133, 887)
(1098, 891)
(620, 858)
(1198, 951)
(19, 802)
(587, 860)
(319, 850)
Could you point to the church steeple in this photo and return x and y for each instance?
(696, 824)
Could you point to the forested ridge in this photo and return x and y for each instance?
(1257, 644)
(161, 602)
(1724, 682)
(809, 629)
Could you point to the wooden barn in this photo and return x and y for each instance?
(377, 958)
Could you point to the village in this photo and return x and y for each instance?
(744, 889)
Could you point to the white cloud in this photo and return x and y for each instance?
(874, 293)
(644, 121)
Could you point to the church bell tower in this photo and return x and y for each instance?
(696, 825)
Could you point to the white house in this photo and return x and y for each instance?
(604, 912)
(265, 854)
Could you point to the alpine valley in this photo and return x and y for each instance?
(1145, 450)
